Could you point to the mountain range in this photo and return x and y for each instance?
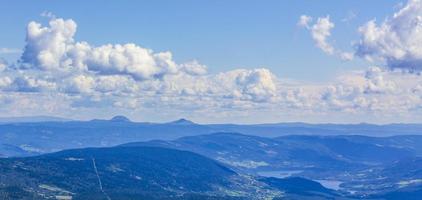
(121, 159)
(140, 173)
(31, 138)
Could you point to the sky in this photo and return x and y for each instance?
(213, 61)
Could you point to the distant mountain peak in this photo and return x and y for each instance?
(182, 121)
(120, 118)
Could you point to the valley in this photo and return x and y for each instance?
(119, 159)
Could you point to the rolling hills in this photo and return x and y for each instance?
(140, 173)
(29, 138)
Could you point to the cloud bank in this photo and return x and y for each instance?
(58, 75)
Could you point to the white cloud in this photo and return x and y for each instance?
(258, 84)
(320, 32)
(46, 47)
(80, 84)
(5, 82)
(375, 90)
(3, 65)
(84, 80)
(194, 68)
(53, 48)
(254, 85)
(31, 84)
(304, 21)
(376, 82)
(132, 60)
(397, 41)
(116, 84)
(110, 71)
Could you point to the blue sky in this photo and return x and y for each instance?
(213, 61)
(221, 34)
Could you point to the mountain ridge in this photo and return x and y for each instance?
(134, 173)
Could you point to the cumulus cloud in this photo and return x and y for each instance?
(53, 60)
(46, 47)
(320, 31)
(375, 90)
(77, 77)
(256, 85)
(80, 84)
(132, 60)
(53, 48)
(397, 41)
(30, 84)
(91, 84)
(376, 82)
(259, 84)
(194, 68)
